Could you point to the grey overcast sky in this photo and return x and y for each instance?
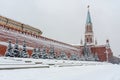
(64, 20)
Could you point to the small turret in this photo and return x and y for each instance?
(81, 42)
(95, 41)
(107, 44)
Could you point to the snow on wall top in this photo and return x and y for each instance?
(41, 39)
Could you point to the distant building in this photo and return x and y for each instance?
(11, 24)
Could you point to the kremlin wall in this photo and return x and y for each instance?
(24, 36)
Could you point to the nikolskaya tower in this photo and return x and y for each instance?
(89, 34)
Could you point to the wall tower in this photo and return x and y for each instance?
(89, 35)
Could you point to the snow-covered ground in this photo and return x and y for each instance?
(96, 72)
(58, 70)
(11, 62)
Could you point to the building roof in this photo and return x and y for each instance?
(17, 24)
(88, 20)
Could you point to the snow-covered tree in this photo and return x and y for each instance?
(43, 53)
(34, 54)
(91, 57)
(63, 56)
(24, 53)
(51, 53)
(9, 51)
(16, 51)
(87, 53)
(38, 52)
(74, 56)
(96, 57)
(82, 58)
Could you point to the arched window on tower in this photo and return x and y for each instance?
(87, 40)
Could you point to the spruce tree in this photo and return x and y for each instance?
(96, 57)
(51, 53)
(34, 54)
(16, 51)
(63, 55)
(43, 53)
(38, 52)
(73, 56)
(24, 53)
(9, 51)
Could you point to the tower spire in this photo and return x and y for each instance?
(88, 29)
(88, 20)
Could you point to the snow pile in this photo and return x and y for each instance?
(97, 72)
(25, 63)
(13, 60)
(19, 63)
(58, 70)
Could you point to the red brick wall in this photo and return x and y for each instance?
(2, 50)
(101, 51)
